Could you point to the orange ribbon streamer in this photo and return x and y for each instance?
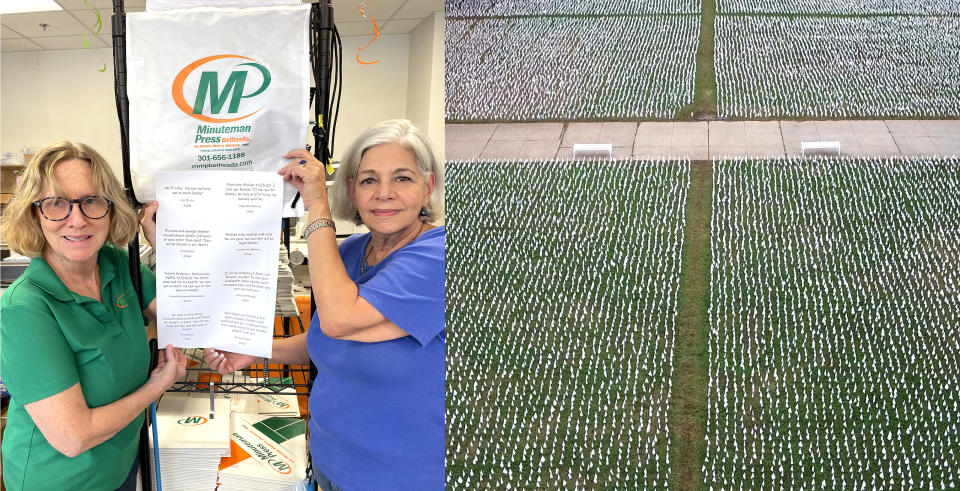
(375, 31)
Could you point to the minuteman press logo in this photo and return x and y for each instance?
(192, 421)
(218, 89)
(280, 466)
(275, 400)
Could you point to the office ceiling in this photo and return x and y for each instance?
(74, 27)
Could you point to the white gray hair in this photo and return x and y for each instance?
(397, 131)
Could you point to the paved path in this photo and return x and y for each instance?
(702, 140)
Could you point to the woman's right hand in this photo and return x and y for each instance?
(226, 362)
(310, 178)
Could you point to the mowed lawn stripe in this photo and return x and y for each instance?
(688, 408)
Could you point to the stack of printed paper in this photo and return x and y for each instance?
(277, 404)
(286, 304)
(267, 453)
(238, 402)
(274, 398)
(191, 443)
(147, 257)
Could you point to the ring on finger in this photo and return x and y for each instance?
(303, 163)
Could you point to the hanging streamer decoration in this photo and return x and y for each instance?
(375, 30)
(97, 26)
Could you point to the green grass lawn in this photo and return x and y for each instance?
(727, 59)
(580, 68)
(835, 321)
(561, 298)
(758, 324)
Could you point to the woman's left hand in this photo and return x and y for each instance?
(171, 367)
(148, 221)
(310, 178)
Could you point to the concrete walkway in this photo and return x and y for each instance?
(702, 140)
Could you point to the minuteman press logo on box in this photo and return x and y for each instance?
(274, 400)
(192, 421)
(266, 449)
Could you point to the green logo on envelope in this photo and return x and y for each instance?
(192, 421)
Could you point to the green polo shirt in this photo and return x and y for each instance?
(53, 338)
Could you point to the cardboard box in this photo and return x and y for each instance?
(8, 178)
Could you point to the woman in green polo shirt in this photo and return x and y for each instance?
(75, 356)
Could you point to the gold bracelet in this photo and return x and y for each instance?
(319, 223)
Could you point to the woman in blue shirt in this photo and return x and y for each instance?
(377, 338)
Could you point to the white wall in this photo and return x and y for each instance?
(426, 81)
(51, 95)
(48, 95)
(371, 93)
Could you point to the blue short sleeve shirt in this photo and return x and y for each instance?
(377, 409)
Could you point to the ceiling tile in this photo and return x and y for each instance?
(89, 19)
(105, 6)
(418, 9)
(381, 10)
(7, 33)
(402, 26)
(353, 28)
(60, 24)
(392, 16)
(70, 42)
(13, 45)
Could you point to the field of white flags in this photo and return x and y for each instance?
(582, 68)
(831, 67)
(486, 8)
(842, 7)
(562, 283)
(834, 346)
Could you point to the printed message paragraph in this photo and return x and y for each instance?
(217, 247)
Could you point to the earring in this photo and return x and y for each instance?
(423, 212)
(357, 217)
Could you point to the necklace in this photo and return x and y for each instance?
(363, 260)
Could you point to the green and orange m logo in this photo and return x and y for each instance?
(209, 89)
(280, 466)
(192, 421)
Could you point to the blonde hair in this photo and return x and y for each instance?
(401, 132)
(21, 227)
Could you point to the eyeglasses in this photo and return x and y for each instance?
(56, 209)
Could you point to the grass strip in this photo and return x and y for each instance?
(687, 417)
(705, 89)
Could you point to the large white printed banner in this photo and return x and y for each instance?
(216, 88)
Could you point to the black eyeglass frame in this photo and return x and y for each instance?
(79, 203)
